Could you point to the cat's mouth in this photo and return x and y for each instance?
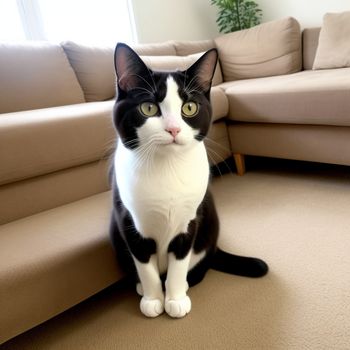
(174, 142)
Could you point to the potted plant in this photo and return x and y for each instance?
(236, 15)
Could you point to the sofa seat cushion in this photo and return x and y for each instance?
(38, 142)
(36, 75)
(307, 97)
(53, 260)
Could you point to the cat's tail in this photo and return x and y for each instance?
(238, 265)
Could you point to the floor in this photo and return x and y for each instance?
(294, 215)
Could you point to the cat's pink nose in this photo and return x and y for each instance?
(174, 130)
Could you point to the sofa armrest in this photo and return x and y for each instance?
(42, 141)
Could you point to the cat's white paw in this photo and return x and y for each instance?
(139, 289)
(151, 307)
(178, 307)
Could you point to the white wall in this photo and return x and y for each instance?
(161, 20)
(309, 13)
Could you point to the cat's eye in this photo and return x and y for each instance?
(149, 109)
(189, 109)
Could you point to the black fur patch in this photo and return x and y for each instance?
(182, 243)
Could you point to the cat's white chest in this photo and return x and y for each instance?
(162, 195)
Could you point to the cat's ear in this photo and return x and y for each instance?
(130, 69)
(200, 74)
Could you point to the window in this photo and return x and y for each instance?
(99, 22)
(10, 21)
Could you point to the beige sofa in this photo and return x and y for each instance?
(56, 136)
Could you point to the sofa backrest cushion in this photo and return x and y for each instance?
(94, 66)
(94, 69)
(269, 49)
(184, 48)
(333, 49)
(168, 63)
(36, 75)
(310, 43)
(156, 49)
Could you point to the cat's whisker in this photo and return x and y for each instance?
(130, 142)
(128, 74)
(217, 144)
(144, 154)
(217, 155)
(153, 88)
(108, 149)
(189, 89)
(142, 91)
(211, 158)
(148, 156)
(151, 75)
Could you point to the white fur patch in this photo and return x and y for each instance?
(154, 129)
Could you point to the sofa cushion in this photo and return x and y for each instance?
(156, 49)
(36, 75)
(52, 261)
(219, 103)
(309, 97)
(334, 42)
(310, 43)
(184, 48)
(271, 48)
(94, 68)
(40, 193)
(168, 63)
(38, 142)
(316, 143)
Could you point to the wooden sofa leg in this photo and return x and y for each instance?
(240, 163)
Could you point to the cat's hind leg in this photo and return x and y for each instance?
(199, 268)
(139, 289)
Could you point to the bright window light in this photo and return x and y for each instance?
(92, 22)
(10, 22)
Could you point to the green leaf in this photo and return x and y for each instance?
(236, 14)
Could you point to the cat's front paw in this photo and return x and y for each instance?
(178, 307)
(151, 307)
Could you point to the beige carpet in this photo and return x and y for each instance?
(296, 219)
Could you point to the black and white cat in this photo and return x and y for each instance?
(164, 224)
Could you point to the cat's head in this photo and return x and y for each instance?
(166, 110)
